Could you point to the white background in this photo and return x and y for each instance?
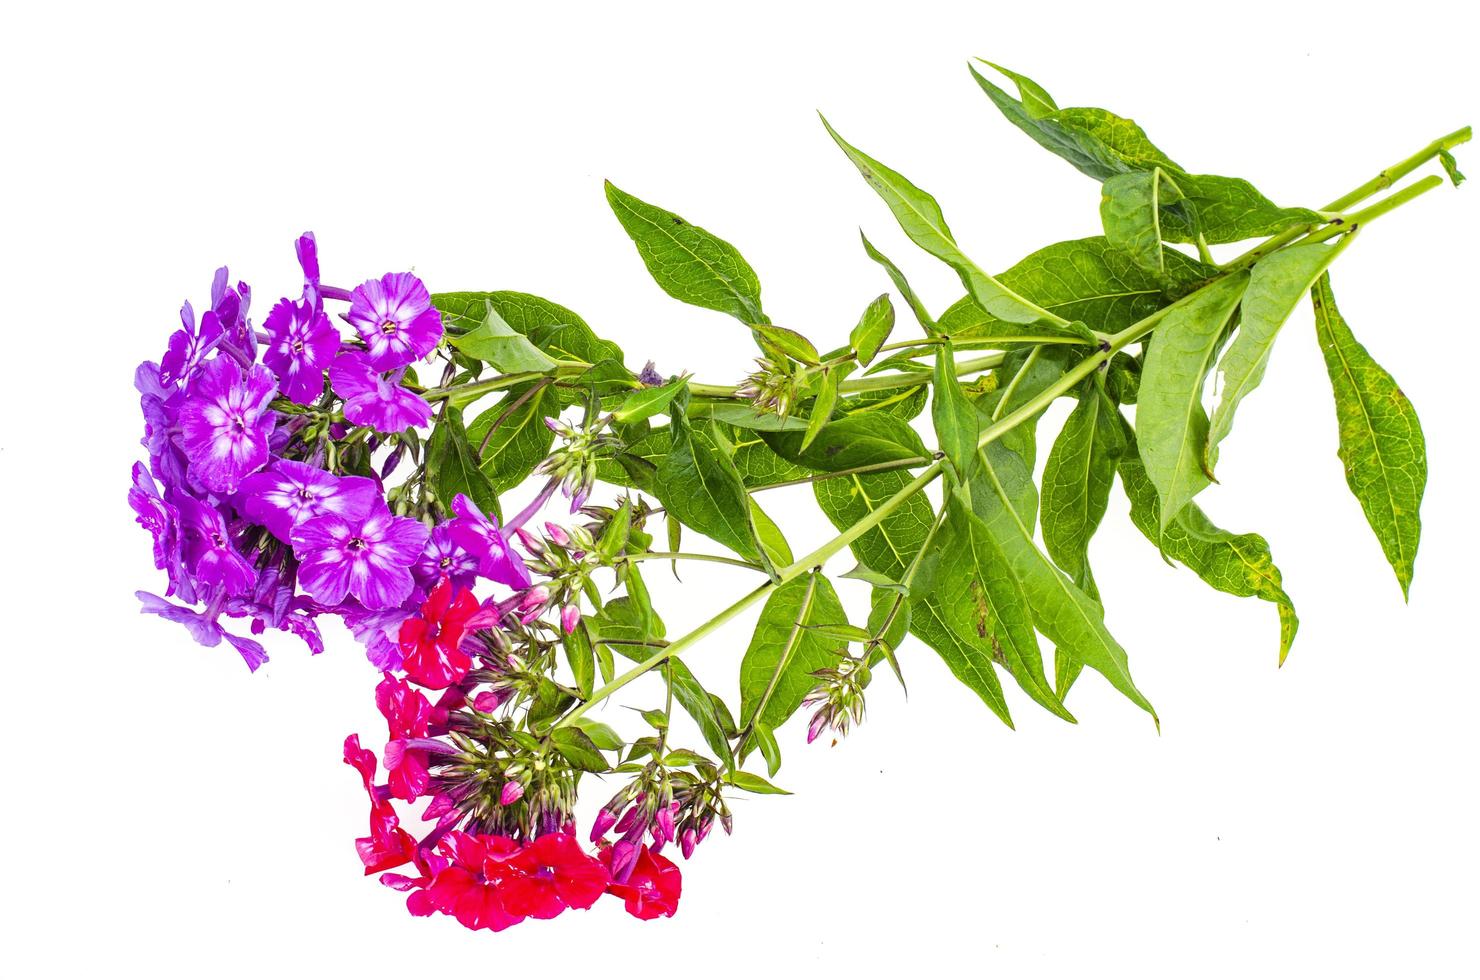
(167, 813)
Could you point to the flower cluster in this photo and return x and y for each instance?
(260, 492)
(500, 842)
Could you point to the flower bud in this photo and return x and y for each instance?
(532, 544)
(570, 618)
(629, 820)
(688, 842)
(815, 727)
(604, 821)
(512, 792)
(665, 820)
(557, 534)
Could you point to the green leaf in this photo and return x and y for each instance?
(1103, 146)
(520, 442)
(1277, 283)
(873, 329)
(765, 739)
(1130, 209)
(700, 486)
(578, 749)
(1087, 280)
(1226, 209)
(452, 465)
(956, 423)
(776, 671)
(922, 220)
(1077, 480)
(851, 441)
(752, 783)
(647, 402)
(1446, 159)
(928, 623)
(602, 735)
(1061, 611)
(582, 659)
(1169, 412)
(1239, 564)
(769, 535)
(822, 406)
(1381, 442)
(789, 342)
(983, 604)
(743, 415)
(1035, 98)
(501, 346)
(922, 315)
(688, 262)
(758, 464)
(1095, 142)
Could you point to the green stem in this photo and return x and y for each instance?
(1355, 196)
(1399, 170)
(1372, 212)
(671, 650)
(692, 556)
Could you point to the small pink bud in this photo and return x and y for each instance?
(532, 544)
(689, 841)
(557, 534)
(603, 822)
(629, 820)
(570, 618)
(489, 701)
(512, 792)
(441, 805)
(624, 857)
(552, 423)
(818, 723)
(534, 598)
(665, 821)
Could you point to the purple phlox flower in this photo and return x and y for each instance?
(188, 347)
(445, 556)
(650, 375)
(368, 557)
(488, 543)
(162, 520)
(209, 551)
(301, 343)
(161, 409)
(377, 629)
(373, 399)
(308, 257)
(395, 317)
(203, 627)
(288, 493)
(225, 423)
(230, 308)
(273, 604)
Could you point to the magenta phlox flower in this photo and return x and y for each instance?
(375, 399)
(368, 557)
(395, 318)
(289, 492)
(225, 423)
